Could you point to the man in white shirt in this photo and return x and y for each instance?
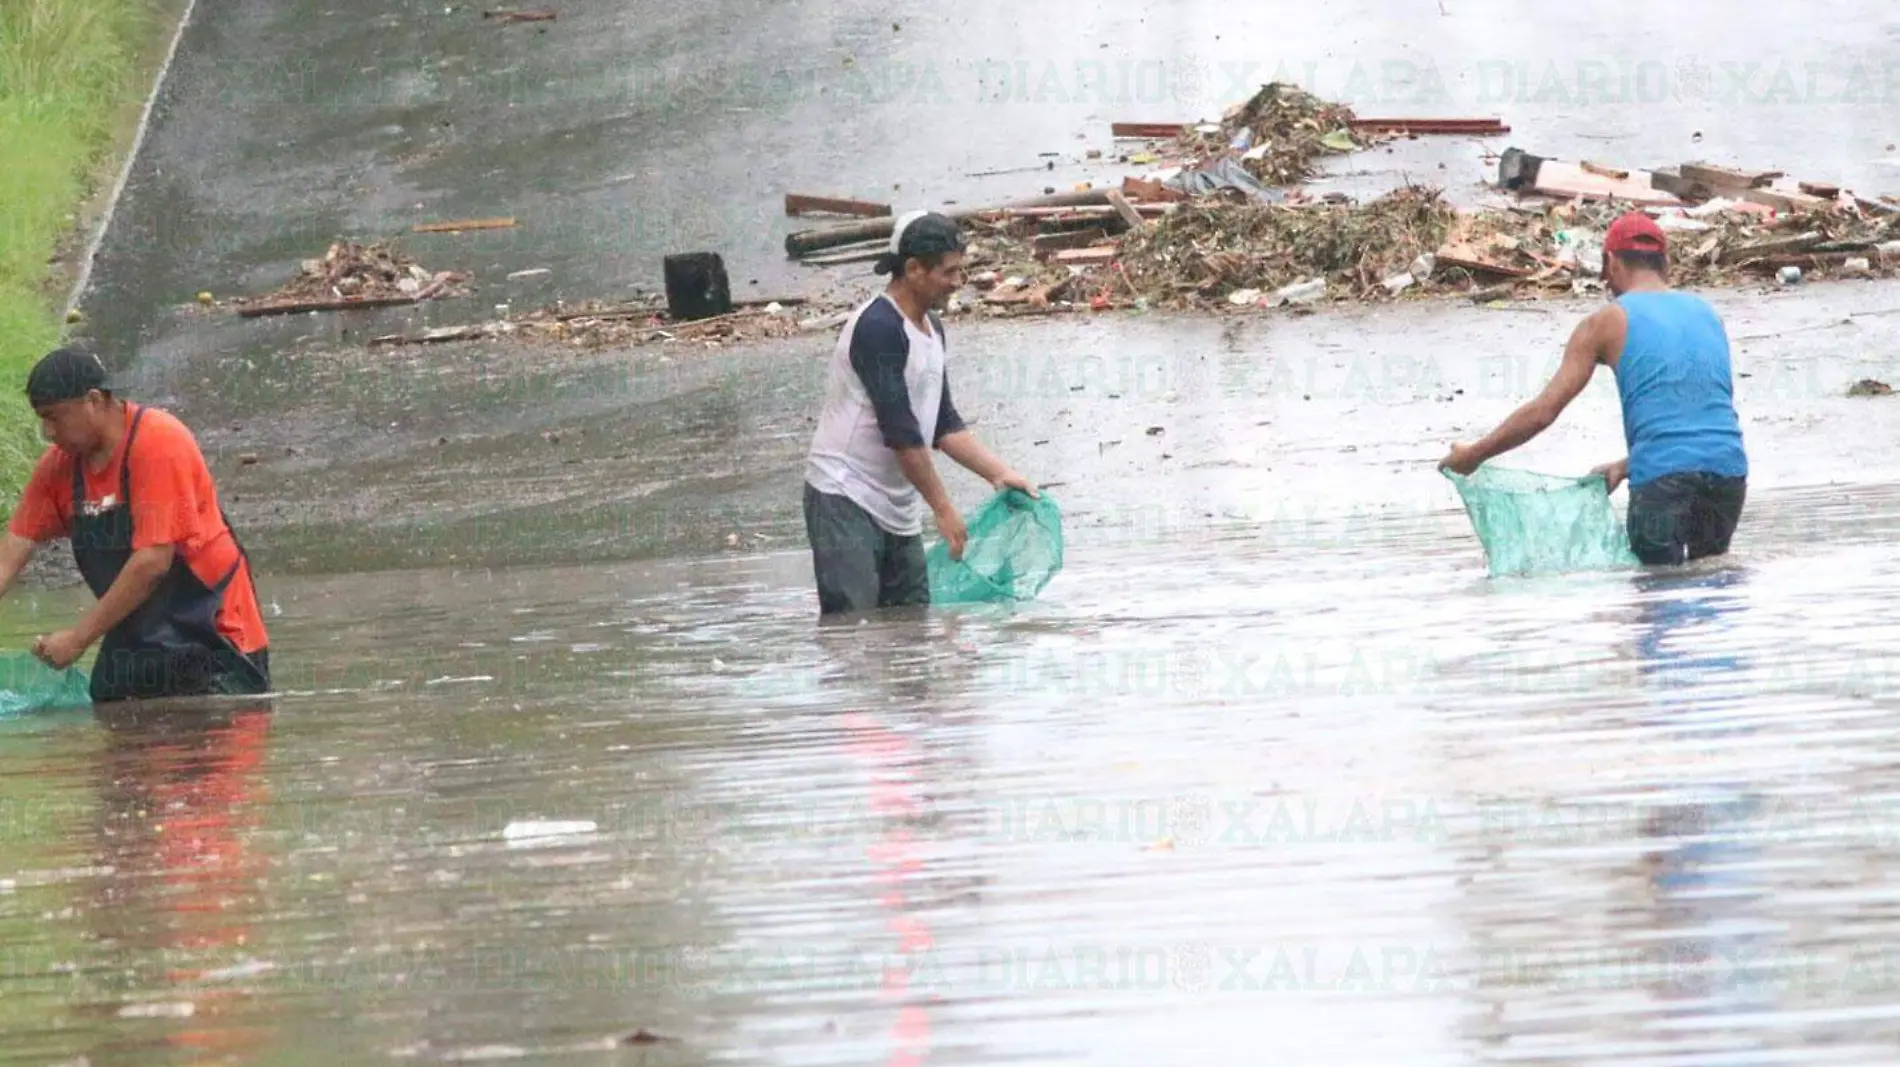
(887, 402)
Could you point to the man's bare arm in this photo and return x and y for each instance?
(1585, 349)
(15, 551)
(963, 447)
(922, 473)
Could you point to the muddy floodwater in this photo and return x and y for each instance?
(1326, 797)
(562, 771)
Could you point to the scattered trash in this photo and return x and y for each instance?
(1305, 292)
(1870, 387)
(644, 1036)
(531, 273)
(1857, 265)
(1789, 275)
(1399, 283)
(205, 299)
(1243, 297)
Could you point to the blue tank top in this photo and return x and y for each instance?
(1677, 392)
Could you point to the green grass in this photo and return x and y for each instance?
(69, 69)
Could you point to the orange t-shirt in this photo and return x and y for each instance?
(173, 503)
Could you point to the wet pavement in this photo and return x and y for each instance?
(1271, 772)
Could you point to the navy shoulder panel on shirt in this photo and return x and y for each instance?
(880, 348)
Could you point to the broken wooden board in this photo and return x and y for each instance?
(1083, 256)
(1617, 173)
(800, 204)
(1820, 189)
(1783, 200)
(504, 15)
(1480, 127)
(341, 303)
(1800, 242)
(1125, 209)
(436, 336)
(1726, 179)
(462, 224)
(1458, 251)
(1146, 130)
(1570, 181)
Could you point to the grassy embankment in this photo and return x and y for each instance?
(73, 79)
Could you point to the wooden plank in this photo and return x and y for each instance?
(1786, 201)
(797, 204)
(1820, 189)
(1125, 209)
(1799, 242)
(1146, 130)
(1096, 254)
(1430, 125)
(341, 303)
(462, 224)
(542, 15)
(435, 336)
(1608, 172)
(1567, 181)
(1727, 178)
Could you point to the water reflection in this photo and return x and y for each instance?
(181, 791)
(1706, 898)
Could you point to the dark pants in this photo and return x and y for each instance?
(1680, 517)
(860, 565)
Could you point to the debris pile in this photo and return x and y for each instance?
(352, 275)
(1280, 134)
(1212, 250)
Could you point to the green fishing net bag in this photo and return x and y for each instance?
(28, 685)
(1014, 548)
(1543, 523)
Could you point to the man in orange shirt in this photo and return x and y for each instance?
(177, 613)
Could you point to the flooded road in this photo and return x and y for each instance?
(1271, 773)
(1213, 798)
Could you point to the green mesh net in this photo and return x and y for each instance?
(28, 685)
(1543, 524)
(1014, 548)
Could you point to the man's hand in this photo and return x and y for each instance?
(60, 650)
(1462, 459)
(1009, 479)
(950, 525)
(1613, 473)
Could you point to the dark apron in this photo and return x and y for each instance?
(168, 646)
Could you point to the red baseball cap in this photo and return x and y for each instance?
(1635, 232)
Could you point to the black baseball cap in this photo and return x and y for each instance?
(920, 233)
(66, 374)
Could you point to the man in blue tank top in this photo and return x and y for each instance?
(1686, 467)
